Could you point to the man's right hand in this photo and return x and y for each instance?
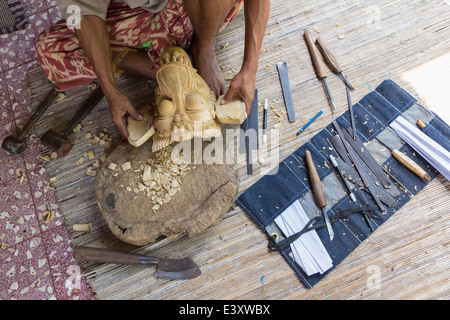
(120, 106)
(94, 39)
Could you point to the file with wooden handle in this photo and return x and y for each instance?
(317, 189)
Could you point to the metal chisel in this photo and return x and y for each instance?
(319, 66)
(317, 189)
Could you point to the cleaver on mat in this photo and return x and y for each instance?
(173, 269)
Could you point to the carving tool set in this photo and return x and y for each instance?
(368, 183)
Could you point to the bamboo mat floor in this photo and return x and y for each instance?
(406, 258)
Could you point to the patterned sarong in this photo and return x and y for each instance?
(67, 66)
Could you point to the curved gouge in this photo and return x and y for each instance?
(319, 66)
(173, 269)
(317, 189)
(332, 62)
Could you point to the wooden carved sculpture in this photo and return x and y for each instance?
(185, 103)
(185, 106)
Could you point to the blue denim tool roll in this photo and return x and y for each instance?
(272, 194)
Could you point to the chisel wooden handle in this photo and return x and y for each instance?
(314, 179)
(319, 66)
(329, 58)
(410, 164)
(421, 124)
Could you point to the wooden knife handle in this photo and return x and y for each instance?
(329, 58)
(110, 256)
(314, 179)
(410, 164)
(319, 66)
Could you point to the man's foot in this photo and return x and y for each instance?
(205, 62)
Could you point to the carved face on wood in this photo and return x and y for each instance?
(185, 103)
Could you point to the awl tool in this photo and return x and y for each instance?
(317, 189)
(319, 66)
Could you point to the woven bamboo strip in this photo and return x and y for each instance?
(410, 250)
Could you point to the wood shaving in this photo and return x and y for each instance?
(48, 216)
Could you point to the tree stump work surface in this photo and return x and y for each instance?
(205, 194)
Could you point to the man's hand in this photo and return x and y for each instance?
(94, 39)
(256, 17)
(243, 84)
(120, 106)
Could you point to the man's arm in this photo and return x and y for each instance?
(243, 83)
(94, 40)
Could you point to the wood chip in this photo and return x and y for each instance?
(77, 128)
(112, 166)
(126, 166)
(90, 171)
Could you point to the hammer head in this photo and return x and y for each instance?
(14, 145)
(57, 142)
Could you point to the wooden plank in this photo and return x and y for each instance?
(407, 254)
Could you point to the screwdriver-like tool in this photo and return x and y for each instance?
(332, 62)
(317, 189)
(319, 66)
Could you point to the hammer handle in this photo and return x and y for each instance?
(314, 180)
(319, 66)
(111, 256)
(38, 113)
(85, 109)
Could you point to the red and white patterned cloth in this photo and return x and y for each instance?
(66, 65)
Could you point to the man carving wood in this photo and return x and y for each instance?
(112, 36)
